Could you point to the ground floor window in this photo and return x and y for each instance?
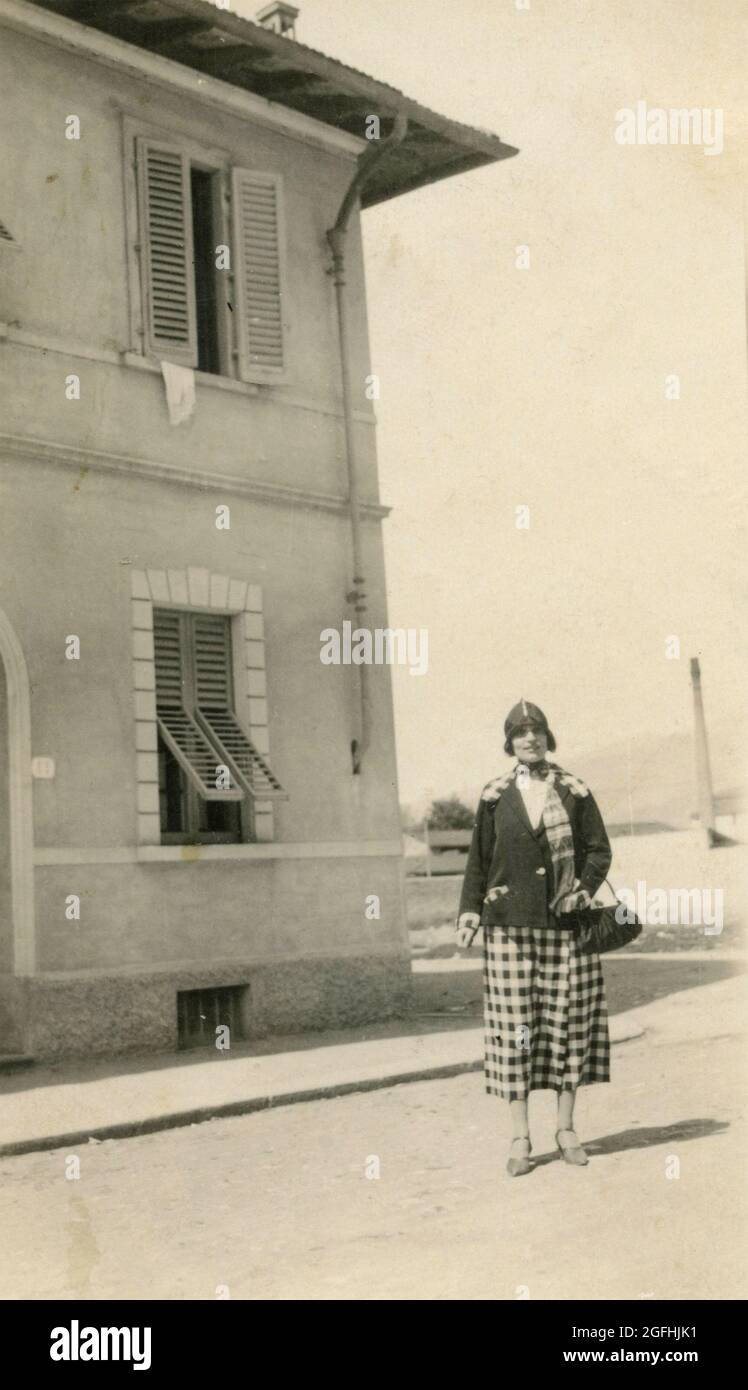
(186, 817)
(209, 773)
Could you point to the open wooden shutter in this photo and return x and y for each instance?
(193, 748)
(259, 259)
(212, 658)
(240, 754)
(166, 252)
(215, 713)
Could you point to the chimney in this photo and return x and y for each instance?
(279, 17)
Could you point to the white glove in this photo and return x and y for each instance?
(467, 926)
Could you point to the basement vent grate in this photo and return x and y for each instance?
(201, 1011)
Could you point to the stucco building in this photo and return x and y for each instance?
(195, 811)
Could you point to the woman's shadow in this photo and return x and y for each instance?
(646, 1138)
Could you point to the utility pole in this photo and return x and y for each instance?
(628, 786)
(704, 788)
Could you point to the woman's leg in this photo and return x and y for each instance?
(566, 1138)
(520, 1122)
(520, 1148)
(566, 1101)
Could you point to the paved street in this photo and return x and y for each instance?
(278, 1205)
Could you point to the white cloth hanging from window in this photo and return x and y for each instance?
(180, 391)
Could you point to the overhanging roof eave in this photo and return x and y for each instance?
(291, 77)
(462, 165)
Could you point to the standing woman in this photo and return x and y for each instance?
(539, 850)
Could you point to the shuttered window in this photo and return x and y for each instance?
(210, 250)
(183, 736)
(197, 721)
(166, 252)
(214, 708)
(259, 241)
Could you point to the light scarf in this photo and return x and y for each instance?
(557, 827)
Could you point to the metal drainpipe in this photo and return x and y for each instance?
(336, 238)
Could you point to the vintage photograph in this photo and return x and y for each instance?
(373, 774)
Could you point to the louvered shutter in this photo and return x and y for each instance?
(166, 252)
(212, 646)
(194, 750)
(259, 260)
(215, 713)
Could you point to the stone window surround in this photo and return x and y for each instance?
(196, 589)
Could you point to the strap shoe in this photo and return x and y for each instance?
(519, 1163)
(571, 1153)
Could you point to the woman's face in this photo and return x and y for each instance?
(529, 743)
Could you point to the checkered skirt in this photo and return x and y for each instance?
(544, 1012)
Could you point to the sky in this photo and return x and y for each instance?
(546, 387)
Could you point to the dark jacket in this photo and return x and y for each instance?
(506, 851)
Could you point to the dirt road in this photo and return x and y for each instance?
(401, 1194)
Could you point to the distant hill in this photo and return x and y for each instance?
(652, 778)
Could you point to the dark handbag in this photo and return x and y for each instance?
(606, 928)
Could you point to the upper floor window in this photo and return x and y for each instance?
(210, 261)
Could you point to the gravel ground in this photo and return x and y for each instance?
(286, 1204)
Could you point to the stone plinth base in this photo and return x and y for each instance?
(85, 1014)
